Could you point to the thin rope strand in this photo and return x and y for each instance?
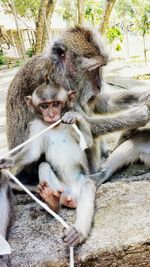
(71, 256)
(30, 139)
(44, 206)
(82, 140)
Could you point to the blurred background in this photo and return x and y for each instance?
(27, 25)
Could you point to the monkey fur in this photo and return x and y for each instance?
(61, 144)
(6, 213)
(74, 61)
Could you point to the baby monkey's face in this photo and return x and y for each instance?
(51, 110)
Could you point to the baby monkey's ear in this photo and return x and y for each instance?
(28, 100)
(47, 79)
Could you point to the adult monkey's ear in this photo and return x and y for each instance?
(91, 63)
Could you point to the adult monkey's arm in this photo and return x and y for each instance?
(113, 102)
(133, 118)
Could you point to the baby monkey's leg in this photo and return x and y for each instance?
(85, 210)
(49, 188)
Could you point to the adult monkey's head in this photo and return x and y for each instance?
(77, 58)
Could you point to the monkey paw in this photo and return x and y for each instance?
(72, 236)
(6, 163)
(70, 117)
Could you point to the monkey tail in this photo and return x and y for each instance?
(125, 154)
(6, 202)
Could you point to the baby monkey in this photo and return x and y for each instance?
(63, 176)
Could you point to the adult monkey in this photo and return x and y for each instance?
(74, 61)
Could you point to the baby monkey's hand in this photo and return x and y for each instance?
(6, 163)
(71, 117)
(72, 236)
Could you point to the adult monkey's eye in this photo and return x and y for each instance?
(43, 105)
(60, 50)
(56, 104)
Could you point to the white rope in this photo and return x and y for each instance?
(30, 139)
(83, 144)
(44, 206)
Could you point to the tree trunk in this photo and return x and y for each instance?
(47, 21)
(109, 4)
(80, 11)
(145, 50)
(12, 6)
(40, 27)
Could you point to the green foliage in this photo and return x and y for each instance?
(145, 22)
(2, 58)
(67, 14)
(30, 52)
(114, 34)
(25, 8)
(93, 11)
(133, 15)
(17, 63)
(118, 47)
(68, 10)
(124, 8)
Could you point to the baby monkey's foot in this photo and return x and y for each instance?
(50, 196)
(68, 202)
(72, 236)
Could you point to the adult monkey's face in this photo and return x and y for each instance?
(77, 59)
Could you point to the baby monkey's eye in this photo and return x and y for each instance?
(44, 105)
(56, 104)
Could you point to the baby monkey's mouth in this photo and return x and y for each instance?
(50, 120)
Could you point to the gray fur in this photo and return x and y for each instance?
(6, 212)
(80, 71)
(72, 171)
(75, 73)
(137, 147)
